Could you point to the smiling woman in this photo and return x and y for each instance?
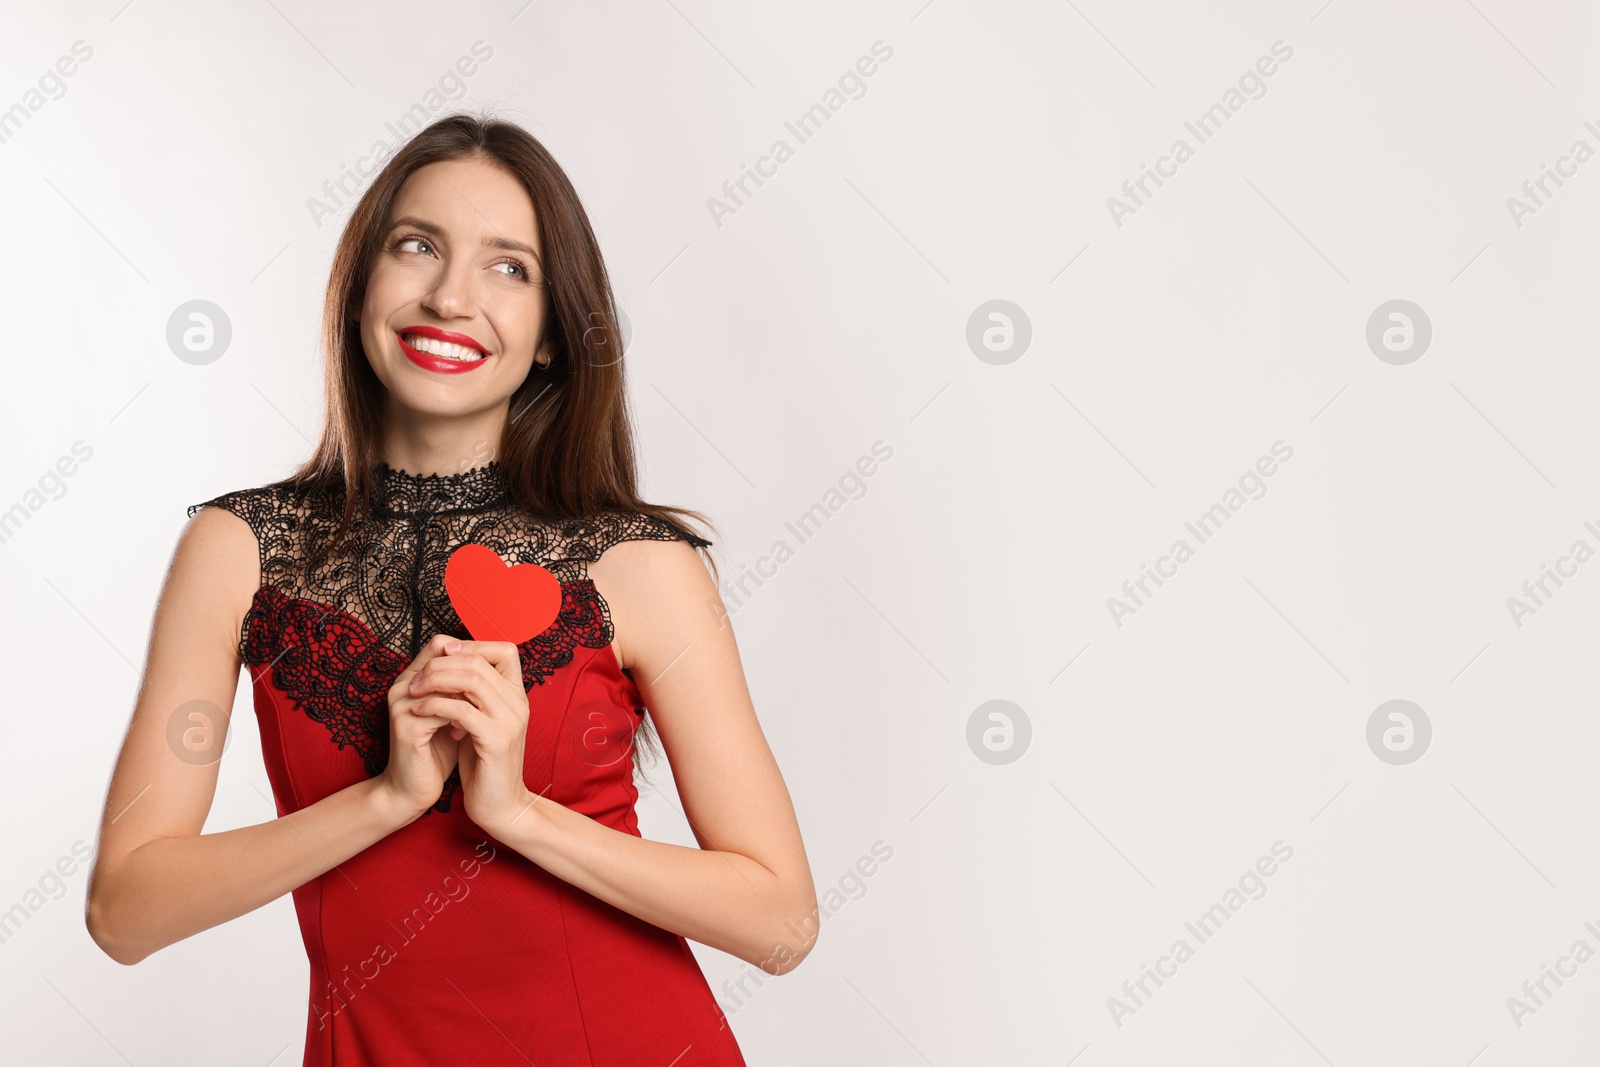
(468, 320)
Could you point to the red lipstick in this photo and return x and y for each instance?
(438, 364)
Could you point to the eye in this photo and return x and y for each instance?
(400, 244)
(522, 270)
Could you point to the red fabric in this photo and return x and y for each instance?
(439, 945)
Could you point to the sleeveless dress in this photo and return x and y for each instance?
(439, 945)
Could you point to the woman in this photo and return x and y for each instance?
(456, 816)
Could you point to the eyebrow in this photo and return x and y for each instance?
(433, 230)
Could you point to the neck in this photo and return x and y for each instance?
(430, 444)
(437, 463)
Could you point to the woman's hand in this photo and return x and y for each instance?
(423, 748)
(476, 686)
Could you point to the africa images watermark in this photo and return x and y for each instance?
(1566, 167)
(1536, 592)
(1204, 527)
(1251, 882)
(49, 886)
(51, 485)
(1566, 967)
(451, 890)
(847, 888)
(51, 86)
(449, 86)
(1205, 126)
(851, 485)
(805, 126)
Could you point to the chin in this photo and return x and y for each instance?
(442, 400)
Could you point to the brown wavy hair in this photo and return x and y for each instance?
(568, 447)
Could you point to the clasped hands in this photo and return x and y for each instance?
(476, 688)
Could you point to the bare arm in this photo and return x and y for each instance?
(156, 878)
(747, 889)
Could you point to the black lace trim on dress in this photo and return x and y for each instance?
(334, 634)
(400, 492)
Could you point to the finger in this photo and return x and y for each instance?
(455, 712)
(503, 656)
(508, 674)
(433, 649)
(418, 730)
(473, 677)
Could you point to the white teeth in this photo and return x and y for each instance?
(443, 349)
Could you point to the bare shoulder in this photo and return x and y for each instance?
(219, 562)
(219, 547)
(656, 587)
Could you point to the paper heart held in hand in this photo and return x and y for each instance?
(497, 602)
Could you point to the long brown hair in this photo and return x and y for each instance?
(568, 447)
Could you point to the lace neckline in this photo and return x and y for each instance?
(402, 492)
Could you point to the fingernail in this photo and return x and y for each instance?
(453, 646)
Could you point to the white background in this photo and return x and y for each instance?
(830, 311)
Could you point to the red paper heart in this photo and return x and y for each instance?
(500, 603)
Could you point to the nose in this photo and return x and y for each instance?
(451, 295)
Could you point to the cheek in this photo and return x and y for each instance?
(384, 288)
(373, 325)
(517, 323)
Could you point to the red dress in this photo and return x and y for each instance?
(438, 945)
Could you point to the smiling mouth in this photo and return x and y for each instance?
(443, 349)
